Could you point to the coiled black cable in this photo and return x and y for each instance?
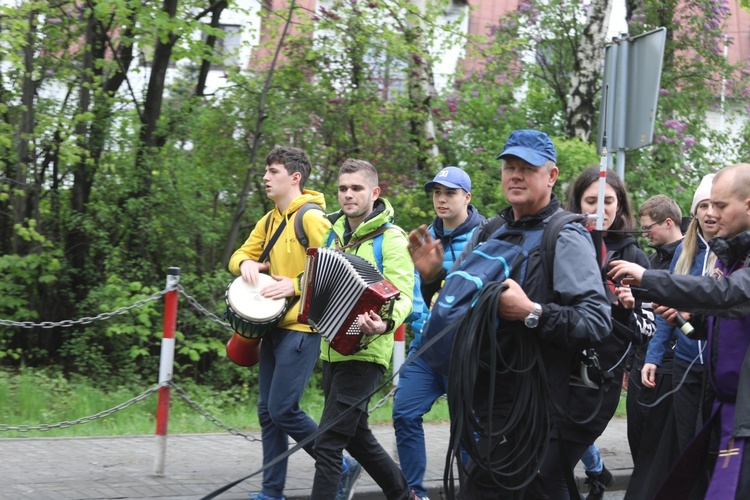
(497, 396)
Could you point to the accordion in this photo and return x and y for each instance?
(336, 288)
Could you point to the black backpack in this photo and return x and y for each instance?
(299, 228)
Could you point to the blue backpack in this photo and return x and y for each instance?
(525, 255)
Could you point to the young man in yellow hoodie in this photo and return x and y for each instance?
(289, 352)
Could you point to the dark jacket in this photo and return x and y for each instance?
(580, 313)
(662, 256)
(453, 244)
(629, 326)
(455, 241)
(725, 295)
(686, 348)
(728, 297)
(660, 259)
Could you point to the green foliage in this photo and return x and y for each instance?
(686, 145)
(522, 80)
(91, 216)
(573, 157)
(25, 278)
(114, 348)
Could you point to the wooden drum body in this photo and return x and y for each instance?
(251, 316)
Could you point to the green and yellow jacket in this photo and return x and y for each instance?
(398, 268)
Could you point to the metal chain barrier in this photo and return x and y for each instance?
(85, 320)
(180, 391)
(197, 305)
(82, 420)
(383, 401)
(194, 406)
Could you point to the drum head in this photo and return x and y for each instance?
(246, 300)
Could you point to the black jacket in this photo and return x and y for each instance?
(628, 326)
(728, 297)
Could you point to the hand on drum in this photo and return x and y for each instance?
(284, 287)
(250, 270)
(371, 324)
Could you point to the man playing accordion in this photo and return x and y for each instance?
(349, 380)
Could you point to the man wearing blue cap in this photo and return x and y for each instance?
(513, 389)
(419, 386)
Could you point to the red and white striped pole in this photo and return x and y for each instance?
(399, 350)
(166, 365)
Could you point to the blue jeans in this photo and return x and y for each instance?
(592, 459)
(419, 386)
(287, 359)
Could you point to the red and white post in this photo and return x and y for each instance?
(399, 350)
(166, 366)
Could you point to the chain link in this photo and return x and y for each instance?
(180, 392)
(383, 401)
(197, 305)
(194, 406)
(85, 320)
(82, 420)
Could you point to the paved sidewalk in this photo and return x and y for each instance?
(197, 464)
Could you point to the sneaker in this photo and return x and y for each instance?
(598, 483)
(349, 478)
(263, 496)
(415, 496)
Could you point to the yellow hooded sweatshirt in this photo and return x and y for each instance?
(287, 257)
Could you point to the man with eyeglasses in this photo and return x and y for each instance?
(660, 222)
(651, 433)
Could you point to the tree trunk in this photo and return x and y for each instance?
(150, 139)
(587, 72)
(200, 87)
(92, 135)
(421, 88)
(25, 132)
(251, 172)
(76, 240)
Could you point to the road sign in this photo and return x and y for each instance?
(632, 77)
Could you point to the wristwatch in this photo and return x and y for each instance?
(532, 320)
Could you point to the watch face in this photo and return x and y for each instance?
(531, 321)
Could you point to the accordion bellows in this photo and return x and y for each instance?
(336, 288)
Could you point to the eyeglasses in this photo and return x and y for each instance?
(646, 229)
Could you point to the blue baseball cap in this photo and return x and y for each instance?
(452, 177)
(532, 146)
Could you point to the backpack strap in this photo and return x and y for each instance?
(630, 252)
(490, 227)
(549, 241)
(268, 225)
(267, 250)
(377, 247)
(299, 228)
(358, 241)
(417, 300)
